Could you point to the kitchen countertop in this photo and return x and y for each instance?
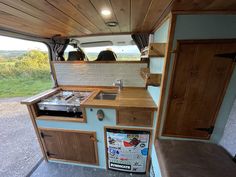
(126, 98)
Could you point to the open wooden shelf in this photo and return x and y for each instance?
(150, 79)
(154, 50)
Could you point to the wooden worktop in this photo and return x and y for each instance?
(127, 97)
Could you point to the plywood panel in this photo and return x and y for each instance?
(99, 74)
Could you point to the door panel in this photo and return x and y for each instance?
(198, 85)
(69, 145)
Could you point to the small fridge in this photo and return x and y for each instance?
(127, 150)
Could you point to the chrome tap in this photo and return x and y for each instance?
(118, 83)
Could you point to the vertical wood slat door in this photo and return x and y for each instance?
(74, 146)
(198, 85)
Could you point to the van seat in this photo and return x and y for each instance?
(193, 159)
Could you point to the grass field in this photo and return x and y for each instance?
(20, 87)
(25, 75)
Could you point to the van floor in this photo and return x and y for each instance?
(51, 169)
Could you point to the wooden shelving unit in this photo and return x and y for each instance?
(154, 50)
(150, 79)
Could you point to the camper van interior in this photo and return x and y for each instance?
(140, 87)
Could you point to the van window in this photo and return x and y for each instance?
(124, 53)
(24, 68)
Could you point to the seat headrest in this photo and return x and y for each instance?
(106, 55)
(75, 55)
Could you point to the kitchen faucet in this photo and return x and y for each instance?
(118, 83)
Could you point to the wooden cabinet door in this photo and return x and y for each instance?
(68, 145)
(198, 85)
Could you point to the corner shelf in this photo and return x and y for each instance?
(150, 79)
(154, 50)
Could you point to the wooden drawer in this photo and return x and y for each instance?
(135, 117)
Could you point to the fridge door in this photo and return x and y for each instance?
(127, 150)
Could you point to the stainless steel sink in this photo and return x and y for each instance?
(105, 96)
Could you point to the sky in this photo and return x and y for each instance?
(8, 43)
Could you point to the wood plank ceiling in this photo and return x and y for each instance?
(46, 18)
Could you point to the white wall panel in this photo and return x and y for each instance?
(99, 74)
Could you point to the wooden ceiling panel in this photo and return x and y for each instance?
(154, 14)
(122, 12)
(10, 22)
(105, 4)
(47, 8)
(30, 20)
(70, 10)
(139, 10)
(86, 8)
(47, 18)
(204, 5)
(28, 9)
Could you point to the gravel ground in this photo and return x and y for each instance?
(19, 149)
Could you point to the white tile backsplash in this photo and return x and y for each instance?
(99, 74)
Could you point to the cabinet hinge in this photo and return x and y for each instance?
(234, 158)
(227, 56)
(208, 130)
(50, 154)
(93, 138)
(44, 135)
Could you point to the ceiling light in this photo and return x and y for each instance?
(112, 24)
(106, 12)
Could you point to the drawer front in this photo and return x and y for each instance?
(135, 117)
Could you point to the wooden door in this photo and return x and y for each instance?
(198, 85)
(68, 145)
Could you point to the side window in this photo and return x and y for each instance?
(24, 68)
